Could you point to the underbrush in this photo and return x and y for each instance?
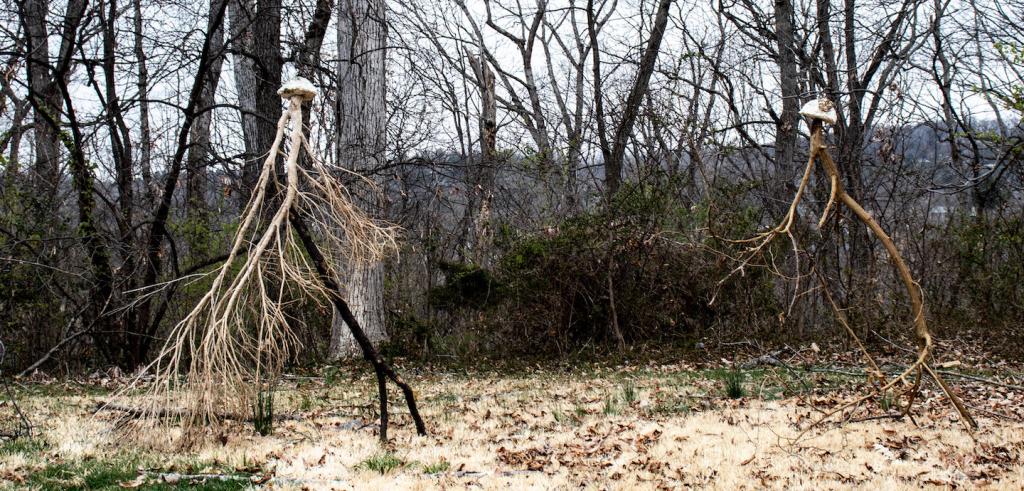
(641, 270)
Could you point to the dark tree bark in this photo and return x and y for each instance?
(593, 26)
(120, 137)
(200, 150)
(307, 56)
(145, 135)
(786, 129)
(256, 46)
(45, 80)
(631, 108)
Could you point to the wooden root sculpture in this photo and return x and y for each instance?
(235, 341)
(819, 113)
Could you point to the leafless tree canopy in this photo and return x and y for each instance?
(563, 173)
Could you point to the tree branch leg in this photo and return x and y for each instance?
(924, 337)
(381, 367)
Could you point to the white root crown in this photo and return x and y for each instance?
(821, 109)
(234, 342)
(297, 86)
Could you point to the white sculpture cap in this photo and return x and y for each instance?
(297, 86)
(821, 109)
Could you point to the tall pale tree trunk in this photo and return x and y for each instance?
(482, 193)
(361, 119)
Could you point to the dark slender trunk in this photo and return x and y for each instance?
(120, 138)
(595, 53)
(382, 369)
(786, 129)
(145, 139)
(200, 151)
(631, 109)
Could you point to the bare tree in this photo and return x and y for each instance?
(360, 119)
(201, 152)
(255, 42)
(45, 83)
(614, 151)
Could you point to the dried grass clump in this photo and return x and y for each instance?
(233, 344)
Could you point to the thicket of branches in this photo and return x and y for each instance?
(564, 172)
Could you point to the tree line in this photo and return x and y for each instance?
(565, 173)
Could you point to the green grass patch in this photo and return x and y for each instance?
(436, 467)
(59, 389)
(611, 405)
(629, 394)
(383, 463)
(26, 446)
(887, 401)
(263, 413)
(733, 384)
(672, 407)
(445, 398)
(109, 475)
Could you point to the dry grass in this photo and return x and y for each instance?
(628, 428)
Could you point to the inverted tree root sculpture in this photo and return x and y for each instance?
(818, 113)
(235, 341)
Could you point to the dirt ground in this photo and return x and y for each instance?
(633, 427)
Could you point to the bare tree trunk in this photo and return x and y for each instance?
(482, 182)
(45, 91)
(256, 32)
(200, 149)
(361, 118)
(786, 126)
(146, 140)
(240, 15)
(631, 109)
(593, 25)
(120, 137)
(307, 55)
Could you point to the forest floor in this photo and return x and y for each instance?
(646, 426)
